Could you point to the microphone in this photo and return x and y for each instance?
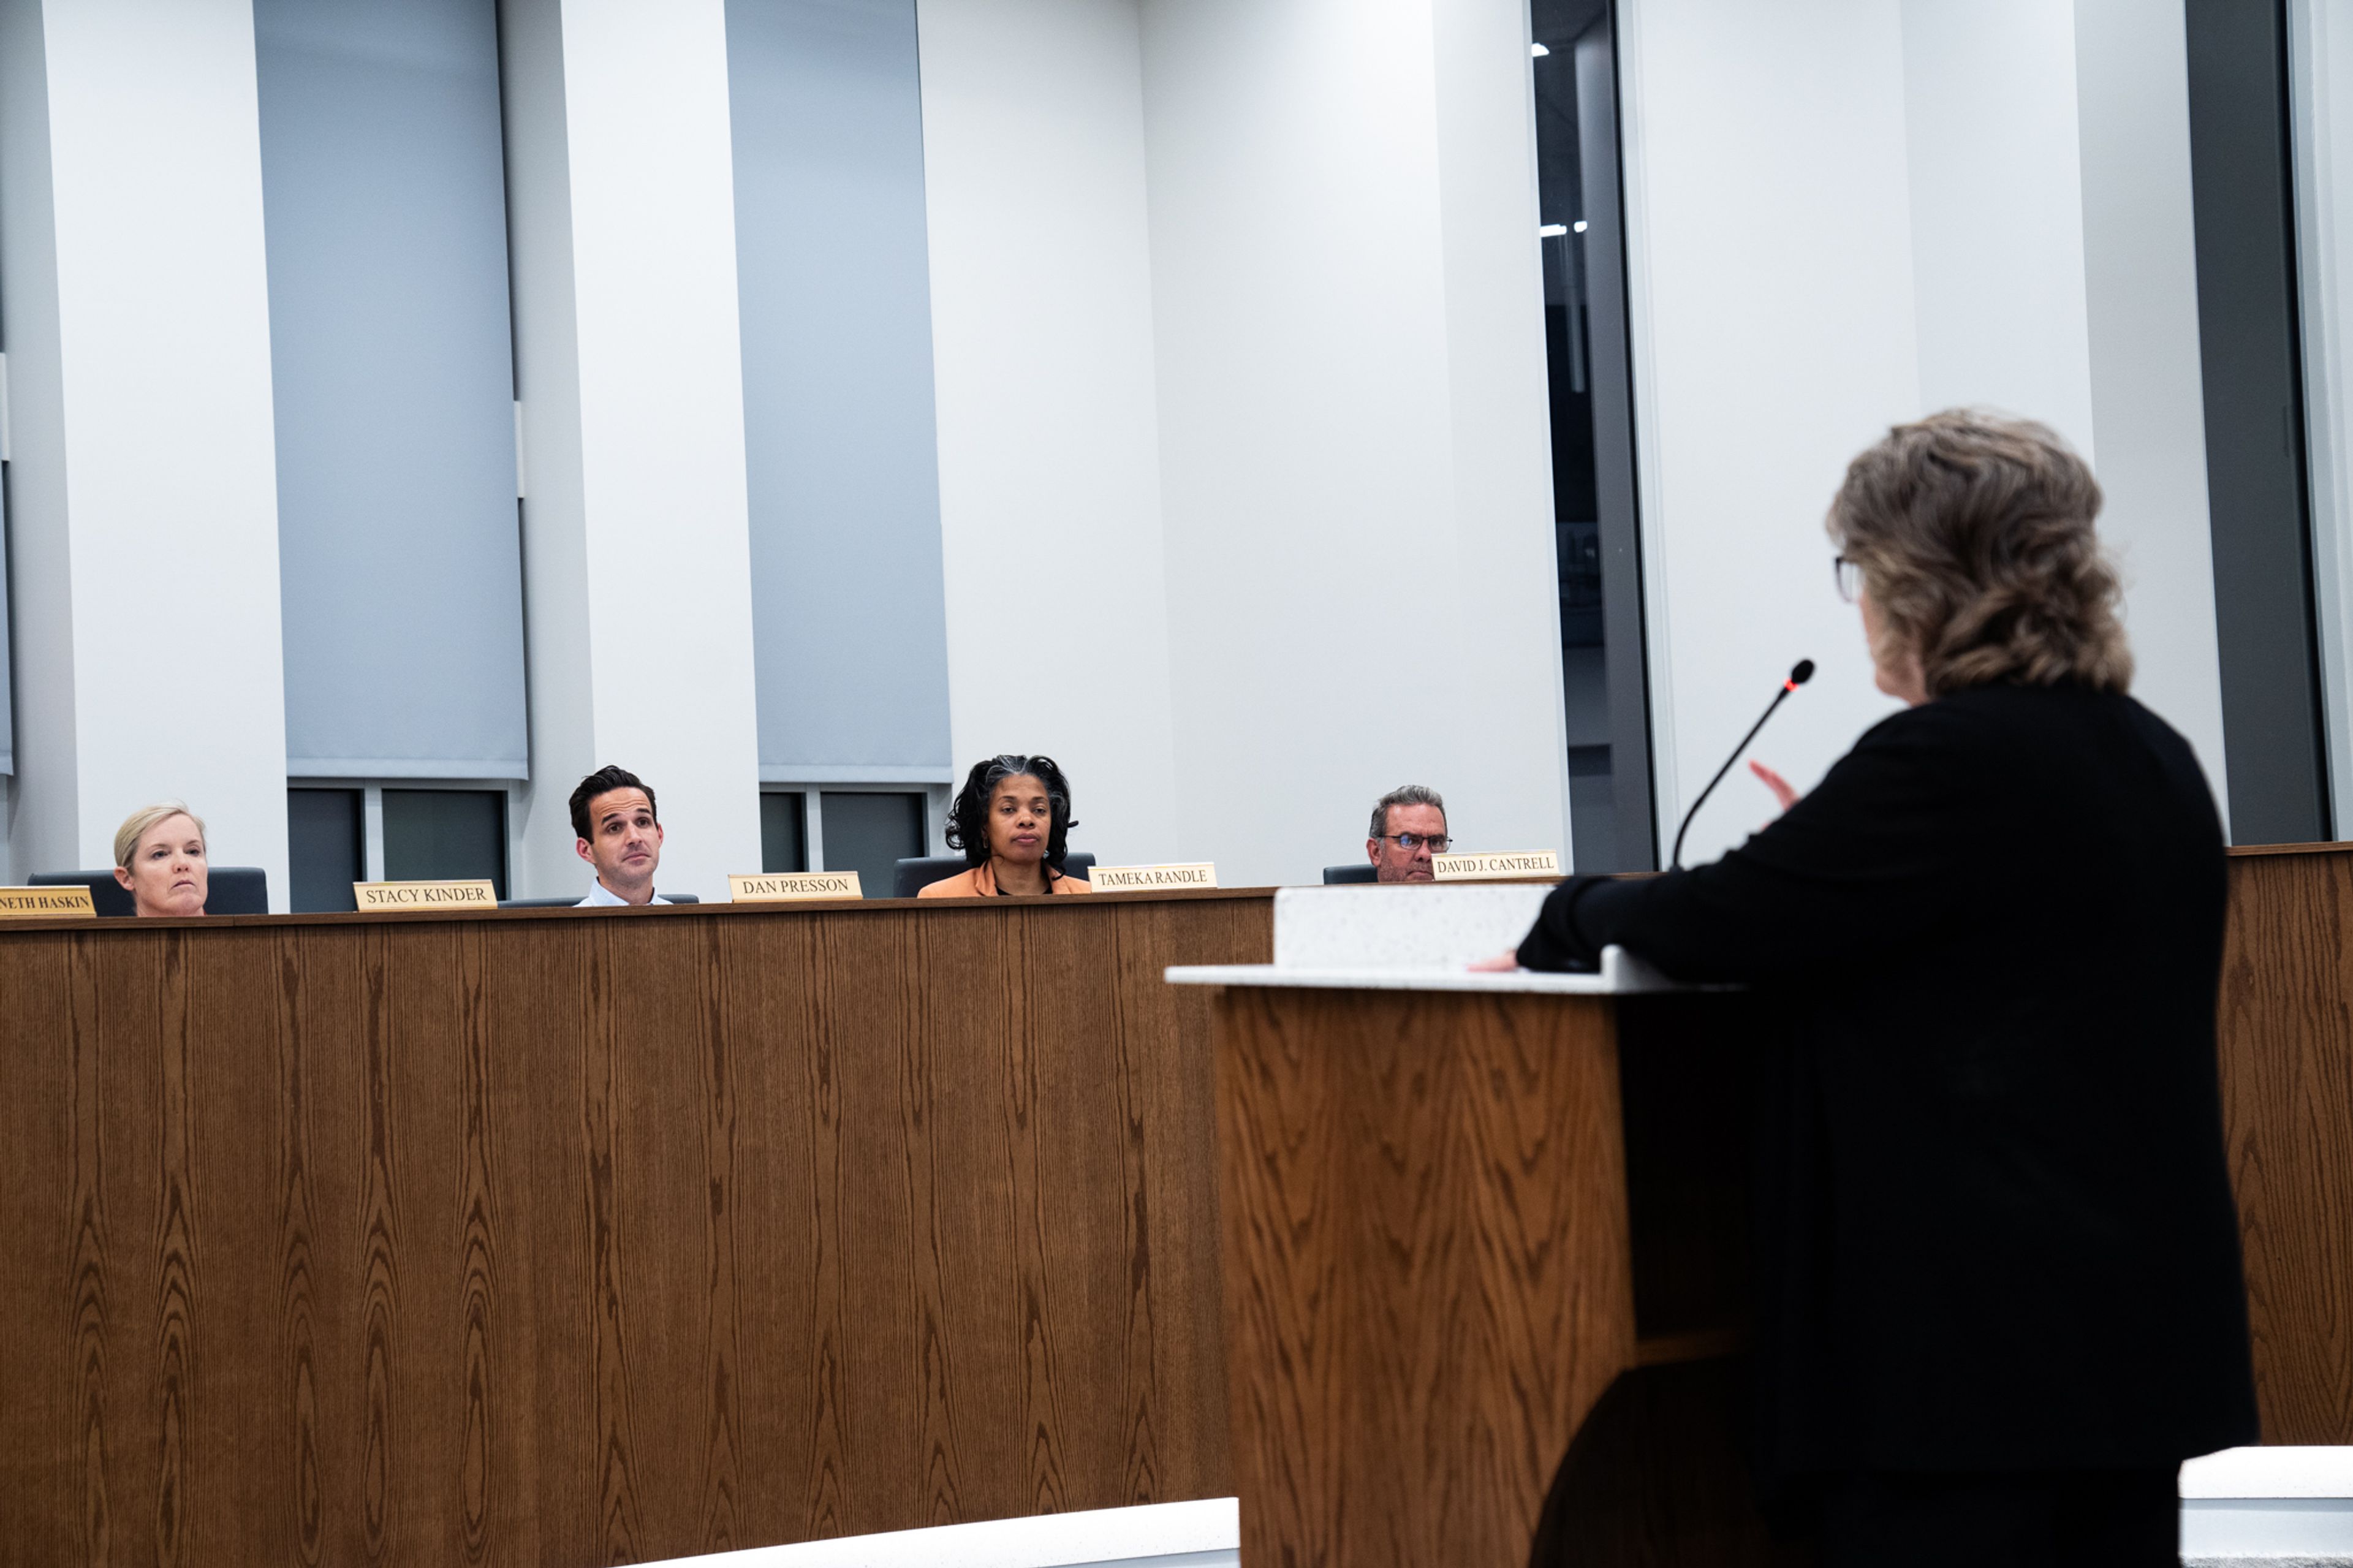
(1799, 674)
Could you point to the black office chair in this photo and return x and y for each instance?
(921, 872)
(1362, 871)
(229, 890)
(567, 903)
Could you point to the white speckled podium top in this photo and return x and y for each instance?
(1417, 937)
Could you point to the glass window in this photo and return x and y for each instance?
(1594, 522)
(870, 833)
(325, 848)
(437, 835)
(784, 830)
(384, 215)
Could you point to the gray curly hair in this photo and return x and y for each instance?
(1973, 533)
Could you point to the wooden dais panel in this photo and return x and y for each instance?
(1428, 1282)
(2287, 1036)
(565, 1240)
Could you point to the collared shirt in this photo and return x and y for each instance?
(601, 897)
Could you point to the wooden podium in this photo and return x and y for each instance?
(1485, 1240)
(1452, 1224)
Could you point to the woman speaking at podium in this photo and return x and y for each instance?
(2002, 1301)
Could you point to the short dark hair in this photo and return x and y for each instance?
(969, 814)
(605, 781)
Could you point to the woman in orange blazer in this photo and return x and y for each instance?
(1012, 820)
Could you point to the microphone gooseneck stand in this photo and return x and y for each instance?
(1799, 674)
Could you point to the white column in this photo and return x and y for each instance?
(2149, 400)
(1845, 213)
(1997, 200)
(630, 366)
(1042, 354)
(2055, 276)
(1345, 265)
(143, 482)
(1770, 281)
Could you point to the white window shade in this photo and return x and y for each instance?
(384, 207)
(8, 682)
(850, 620)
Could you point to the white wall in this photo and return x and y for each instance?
(1770, 277)
(1042, 355)
(629, 365)
(1997, 206)
(1239, 348)
(2148, 404)
(2321, 69)
(145, 522)
(1846, 213)
(1357, 469)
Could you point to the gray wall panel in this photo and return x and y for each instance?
(384, 203)
(849, 614)
(7, 677)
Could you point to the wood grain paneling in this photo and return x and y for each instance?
(1427, 1268)
(1438, 1254)
(2287, 1036)
(557, 1238)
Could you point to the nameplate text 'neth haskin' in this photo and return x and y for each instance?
(1495, 868)
(1129, 878)
(474, 894)
(778, 886)
(46, 904)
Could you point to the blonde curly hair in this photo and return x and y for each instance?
(1973, 533)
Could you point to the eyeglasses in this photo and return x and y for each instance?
(1849, 576)
(1410, 841)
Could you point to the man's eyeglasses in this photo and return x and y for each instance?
(1410, 841)
(1850, 577)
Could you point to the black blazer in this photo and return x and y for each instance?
(2000, 1232)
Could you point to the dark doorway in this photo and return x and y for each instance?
(2241, 181)
(1605, 689)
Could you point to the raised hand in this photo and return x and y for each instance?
(1783, 791)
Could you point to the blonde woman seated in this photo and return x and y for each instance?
(1012, 820)
(159, 855)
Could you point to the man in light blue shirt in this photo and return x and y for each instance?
(613, 813)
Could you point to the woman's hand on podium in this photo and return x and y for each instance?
(1503, 962)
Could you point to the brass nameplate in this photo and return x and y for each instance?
(46, 904)
(476, 894)
(1495, 868)
(778, 886)
(1129, 878)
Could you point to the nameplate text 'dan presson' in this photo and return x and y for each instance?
(782, 887)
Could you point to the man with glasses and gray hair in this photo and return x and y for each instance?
(1408, 826)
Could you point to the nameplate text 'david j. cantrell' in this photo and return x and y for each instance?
(46, 904)
(1494, 866)
(1131, 878)
(778, 886)
(476, 893)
